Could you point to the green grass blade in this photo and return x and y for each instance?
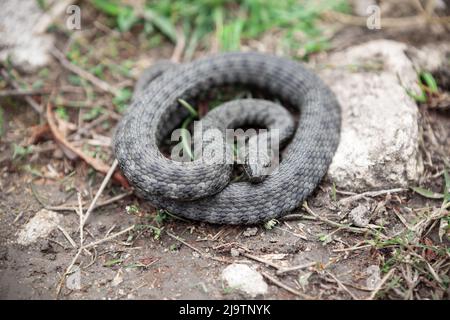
(184, 138)
(162, 23)
(429, 81)
(126, 19)
(427, 193)
(418, 98)
(446, 186)
(108, 7)
(191, 109)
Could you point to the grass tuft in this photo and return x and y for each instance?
(231, 22)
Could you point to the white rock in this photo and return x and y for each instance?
(250, 232)
(245, 279)
(391, 55)
(379, 136)
(373, 279)
(234, 252)
(19, 37)
(429, 57)
(360, 216)
(440, 4)
(40, 226)
(73, 281)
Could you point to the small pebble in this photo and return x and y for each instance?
(250, 232)
(234, 252)
(245, 279)
(360, 216)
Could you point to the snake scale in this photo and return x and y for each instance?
(203, 192)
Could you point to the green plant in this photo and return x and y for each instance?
(42, 4)
(228, 290)
(132, 209)
(333, 192)
(161, 216)
(190, 108)
(428, 87)
(193, 114)
(234, 21)
(20, 152)
(121, 99)
(113, 262)
(269, 225)
(154, 230)
(61, 112)
(93, 113)
(230, 21)
(445, 195)
(74, 80)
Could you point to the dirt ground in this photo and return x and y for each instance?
(164, 257)
(164, 268)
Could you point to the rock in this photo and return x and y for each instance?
(440, 4)
(373, 279)
(73, 281)
(379, 137)
(379, 57)
(360, 216)
(40, 226)
(245, 279)
(250, 232)
(430, 57)
(20, 38)
(234, 252)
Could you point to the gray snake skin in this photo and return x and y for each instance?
(203, 192)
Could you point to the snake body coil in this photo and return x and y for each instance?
(203, 192)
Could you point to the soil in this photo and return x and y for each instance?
(174, 270)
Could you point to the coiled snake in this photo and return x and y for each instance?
(203, 192)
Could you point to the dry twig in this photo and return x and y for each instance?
(97, 164)
(370, 194)
(266, 262)
(99, 192)
(104, 86)
(340, 225)
(296, 268)
(380, 284)
(97, 205)
(286, 287)
(341, 285)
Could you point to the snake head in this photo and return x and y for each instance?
(258, 161)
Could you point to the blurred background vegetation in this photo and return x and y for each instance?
(116, 35)
(227, 22)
